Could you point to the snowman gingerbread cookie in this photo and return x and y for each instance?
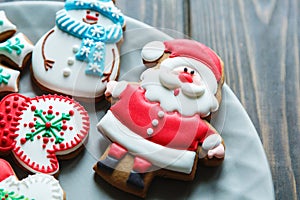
(37, 187)
(81, 53)
(41, 129)
(159, 126)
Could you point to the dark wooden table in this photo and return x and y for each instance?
(259, 43)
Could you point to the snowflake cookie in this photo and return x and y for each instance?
(38, 186)
(38, 130)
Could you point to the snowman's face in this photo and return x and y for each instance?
(90, 17)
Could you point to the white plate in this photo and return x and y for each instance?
(244, 174)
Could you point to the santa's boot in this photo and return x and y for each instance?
(140, 166)
(115, 154)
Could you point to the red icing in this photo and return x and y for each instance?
(140, 165)
(11, 109)
(197, 51)
(6, 170)
(116, 151)
(173, 130)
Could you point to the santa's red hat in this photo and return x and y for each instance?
(184, 48)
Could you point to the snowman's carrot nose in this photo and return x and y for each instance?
(91, 17)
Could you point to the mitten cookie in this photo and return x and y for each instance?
(7, 29)
(158, 127)
(38, 186)
(81, 52)
(38, 130)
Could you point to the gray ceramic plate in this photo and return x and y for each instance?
(244, 174)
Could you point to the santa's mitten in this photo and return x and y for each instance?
(212, 151)
(39, 129)
(38, 186)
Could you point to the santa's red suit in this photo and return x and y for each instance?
(166, 139)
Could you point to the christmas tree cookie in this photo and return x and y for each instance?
(34, 187)
(81, 53)
(41, 129)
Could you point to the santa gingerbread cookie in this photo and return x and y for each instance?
(41, 129)
(81, 53)
(37, 187)
(159, 127)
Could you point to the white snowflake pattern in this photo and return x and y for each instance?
(104, 7)
(94, 4)
(94, 67)
(99, 45)
(85, 51)
(88, 42)
(97, 31)
(98, 56)
(79, 3)
(116, 13)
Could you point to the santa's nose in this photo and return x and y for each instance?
(185, 77)
(91, 17)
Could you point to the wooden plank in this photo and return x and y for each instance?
(167, 15)
(259, 43)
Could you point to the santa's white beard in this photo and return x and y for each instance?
(185, 105)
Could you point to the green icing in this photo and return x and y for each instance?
(48, 126)
(4, 78)
(1, 22)
(5, 195)
(10, 46)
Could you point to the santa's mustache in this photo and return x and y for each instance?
(172, 82)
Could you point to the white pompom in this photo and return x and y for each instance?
(153, 51)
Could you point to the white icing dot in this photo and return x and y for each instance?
(75, 48)
(71, 61)
(161, 114)
(155, 122)
(66, 72)
(149, 131)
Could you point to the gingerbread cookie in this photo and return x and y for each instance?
(160, 127)
(38, 186)
(81, 52)
(9, 80)
(7, 29)
(38, 130)
(16, 51)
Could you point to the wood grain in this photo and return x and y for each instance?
(259, 43)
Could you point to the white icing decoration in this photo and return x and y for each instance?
(161, 156)
(187, 106)
(71, 61)
(38, 187)
(75, 48)
(6, 24)
(66, 72)
(85, 51)
(31, 147)
(155, 122)
(150, 131)
(78, 83)
(153, 51)
(88, 42)
(98, 56)
(161, 114)
(94, 67)
(12, 85)
(14, 56)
